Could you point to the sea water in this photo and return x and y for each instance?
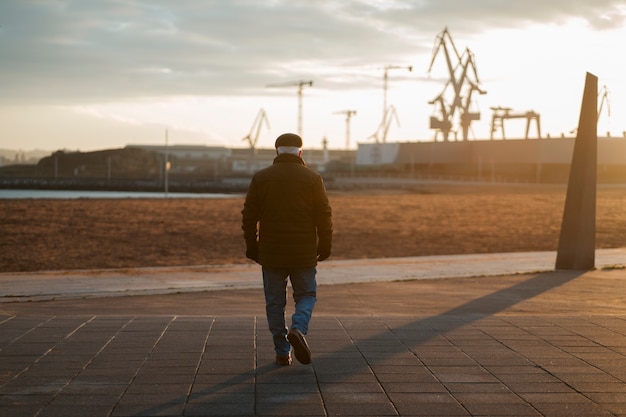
(76, 194)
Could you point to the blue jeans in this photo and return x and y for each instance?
(304, 294)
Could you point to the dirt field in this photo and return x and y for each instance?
(85, 234)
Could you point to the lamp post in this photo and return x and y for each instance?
(166, 163)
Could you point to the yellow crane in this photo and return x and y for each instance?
(253, 137)
(604, 98)
(500, 114)
(381, 133)
(456, 96)
(300, 85)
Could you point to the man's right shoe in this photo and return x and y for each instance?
(300, 346)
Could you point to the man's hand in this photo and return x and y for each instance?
(323, 253)
(252, 251)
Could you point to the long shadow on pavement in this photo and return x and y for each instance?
(354, 357)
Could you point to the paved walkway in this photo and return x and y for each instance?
(476, 357)
(87, 283)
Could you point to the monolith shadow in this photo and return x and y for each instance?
(577, 241)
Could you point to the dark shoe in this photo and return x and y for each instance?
(283, 359)
(300, 346)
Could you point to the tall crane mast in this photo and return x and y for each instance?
(300, 85)
(386, 69)
(349, 114)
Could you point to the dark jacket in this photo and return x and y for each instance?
(288, 201)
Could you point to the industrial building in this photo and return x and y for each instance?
(532, 160)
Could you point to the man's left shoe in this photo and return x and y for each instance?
(300, 346)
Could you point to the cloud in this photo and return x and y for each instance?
(62, 51)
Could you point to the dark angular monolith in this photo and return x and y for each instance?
(578, 229)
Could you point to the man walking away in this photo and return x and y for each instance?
(287, 226)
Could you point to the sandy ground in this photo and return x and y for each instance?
(42, 235)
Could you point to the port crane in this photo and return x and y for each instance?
(604, 99)
(300, 85)
(381, 133)
(386, 69)
(349, 114)
(456, 96)
(253, 137)
(500, 114)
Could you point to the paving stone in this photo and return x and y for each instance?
(539, 387)
(501, 409)
(561, 409)
(618, 409)
(413, 387)
(356, 409)
(351, 387)
(270, 389)
(21, 410)
(147, 410)
(289, 406)
(464, 387)
(429, 404)
(355, 398)
(89, 388)
(75, 410)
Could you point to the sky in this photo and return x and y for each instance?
(83, 75)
